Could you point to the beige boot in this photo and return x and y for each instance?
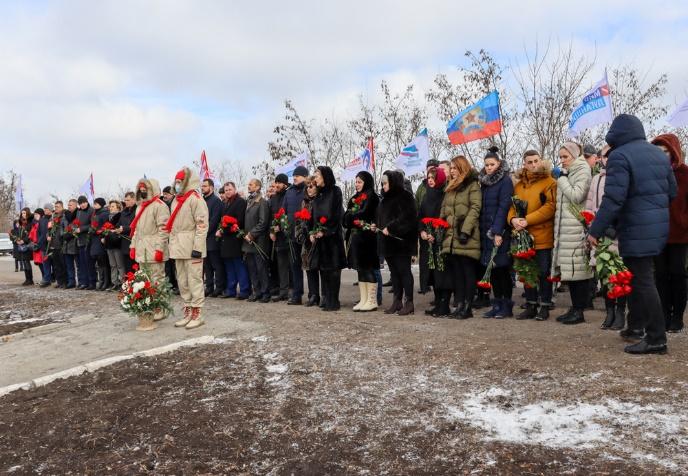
(371, 299)
(185, 320)
(196, 319)
(159, 315)
(363, 289)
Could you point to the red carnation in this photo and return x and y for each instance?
(158, 256)
(135, 266)
(427, 221)
(279, 214)
(357, 223)
(323, 220)
(76, 223)
(553, 279)
(588, 216)
(484, 284)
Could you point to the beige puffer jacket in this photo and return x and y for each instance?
(190, 226)
(570, 256)
(150, 235)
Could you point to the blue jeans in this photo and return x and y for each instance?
(47, 267)
(378, 277)
(236, 273)
(87, 268)
(70, 265)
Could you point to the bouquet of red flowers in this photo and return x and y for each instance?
(280, 223)
(358, 202)
(437, 228)
(105, 229)
(304, 215)
(141, 295)
(72, 228)
(523, 249)
(484, 283)
(229, 224)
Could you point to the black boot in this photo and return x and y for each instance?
(565, 316)
(395, 307)
(543, 313)
(435, 303)
(576, 317)
(457, 312)
(442, 308)
(312, 301)
(619, 316)
(407, 308)
(482, 299)
(335, 283)
(611, 314)
(530, 312)
(467, 311)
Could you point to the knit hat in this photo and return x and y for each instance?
(671, 142)
(180, 175)
(48, 206)
(432, 163)
(282, 178)
(301, 171)
(100, 201)
(167, 189)
(589, 150)
(82, 199)
(572, 148)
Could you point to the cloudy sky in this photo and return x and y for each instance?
(122, 88)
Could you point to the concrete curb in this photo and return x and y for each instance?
(45, 328)
(98, 364)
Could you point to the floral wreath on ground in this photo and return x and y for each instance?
(141, 295)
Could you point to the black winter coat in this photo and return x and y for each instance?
(84, 217)
(362, 245)
(293, 200)
(397, 213)
(68, 240)
(215, 207)
(497, 190)
(230, 245)
(638, 188)
(276, 202)
(125, 218)
(329, 252)
(113, 240)
(100, 217)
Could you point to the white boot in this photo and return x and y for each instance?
(196, 319)
(371, 301)
(185, 320)
(363, 289)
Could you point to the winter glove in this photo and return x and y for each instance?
(556, 172)
(463, 238)
(158, 256)
(196, 254)
(132, 254)
(610, 233)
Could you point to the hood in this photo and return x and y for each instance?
(396, 182)
(191, 180)
(625, 128)
(328, 176)
(671, 142)
(152, 186)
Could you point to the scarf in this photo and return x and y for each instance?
(180, 201)
(132, 227)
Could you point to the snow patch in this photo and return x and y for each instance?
(260, 339)
(277, 368)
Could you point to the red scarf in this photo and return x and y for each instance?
(180, 201)
(132, 227)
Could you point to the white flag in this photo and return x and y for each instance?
(414, 156)
(289, 167)
(19, 194)
(679, 117)
(364, 161)
(87, 189)
(596, 108)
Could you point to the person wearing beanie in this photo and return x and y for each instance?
(188, 230)
(670, 265)
(280, 262)
(149, 240)
(213, 267)
(88, 278)
(430, 207)
(96, 245)
(497, 190)
(569, 260)
(638, 191)
(538, 189)
(362, 244)
(293, 198)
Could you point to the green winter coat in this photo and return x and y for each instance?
(461, 208)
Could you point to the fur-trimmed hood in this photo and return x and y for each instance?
(486, 179)
(152, 187)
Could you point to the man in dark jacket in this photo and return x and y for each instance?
(256, 241)
(55, 240)
(639, 186)
(87, 266)
(69, 246)
(124, 229)
(279, 276)
(293, 199)
(236, 274)
(97, 250)
(212, 266)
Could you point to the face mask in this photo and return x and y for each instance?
(178, 187)
(143, 194)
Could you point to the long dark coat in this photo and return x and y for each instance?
(497, 190)
(397, 213)
(362, 245)
(230, 245)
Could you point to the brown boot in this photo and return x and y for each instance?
(185, 320)
(407, 309)
(396, 306)
(196, 319)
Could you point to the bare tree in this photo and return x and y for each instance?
(550, 85)
(8, 186)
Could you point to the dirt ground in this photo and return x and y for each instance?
(351, 393)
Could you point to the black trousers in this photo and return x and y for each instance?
(644, 303)
(672, 281)
(331, 282)
(214, 270)
(501, 282)
(580, 293)
(28, 271)
(543, 258)
(59, 267)
(424, 271)
(258, 273)
(283, 263)
(463, 270)
(366, 276)
(313, 277)
(402, 278)
(296, 273)
(171, 273)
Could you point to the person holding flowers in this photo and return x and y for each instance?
(230, 233)
(280, 240)
(497, 189)
(570, 260)
(362, 243)
(256, 242)
(461, 244)
(428, 215)
(538, 190)
(639, 188)
(302, 220)
(326, 236)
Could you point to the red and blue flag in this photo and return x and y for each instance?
(476, 122)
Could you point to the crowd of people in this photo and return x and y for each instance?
(459, 226)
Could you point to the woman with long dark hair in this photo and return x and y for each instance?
(362, 244)
(21, 238)
(461, 209)
(327, 237)
(302, 237)
(397, 221)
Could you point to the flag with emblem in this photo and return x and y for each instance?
(479, 121)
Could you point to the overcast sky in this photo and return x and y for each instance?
(123, 88)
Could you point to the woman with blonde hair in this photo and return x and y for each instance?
(461, 245)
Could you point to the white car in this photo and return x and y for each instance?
(5, 244)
